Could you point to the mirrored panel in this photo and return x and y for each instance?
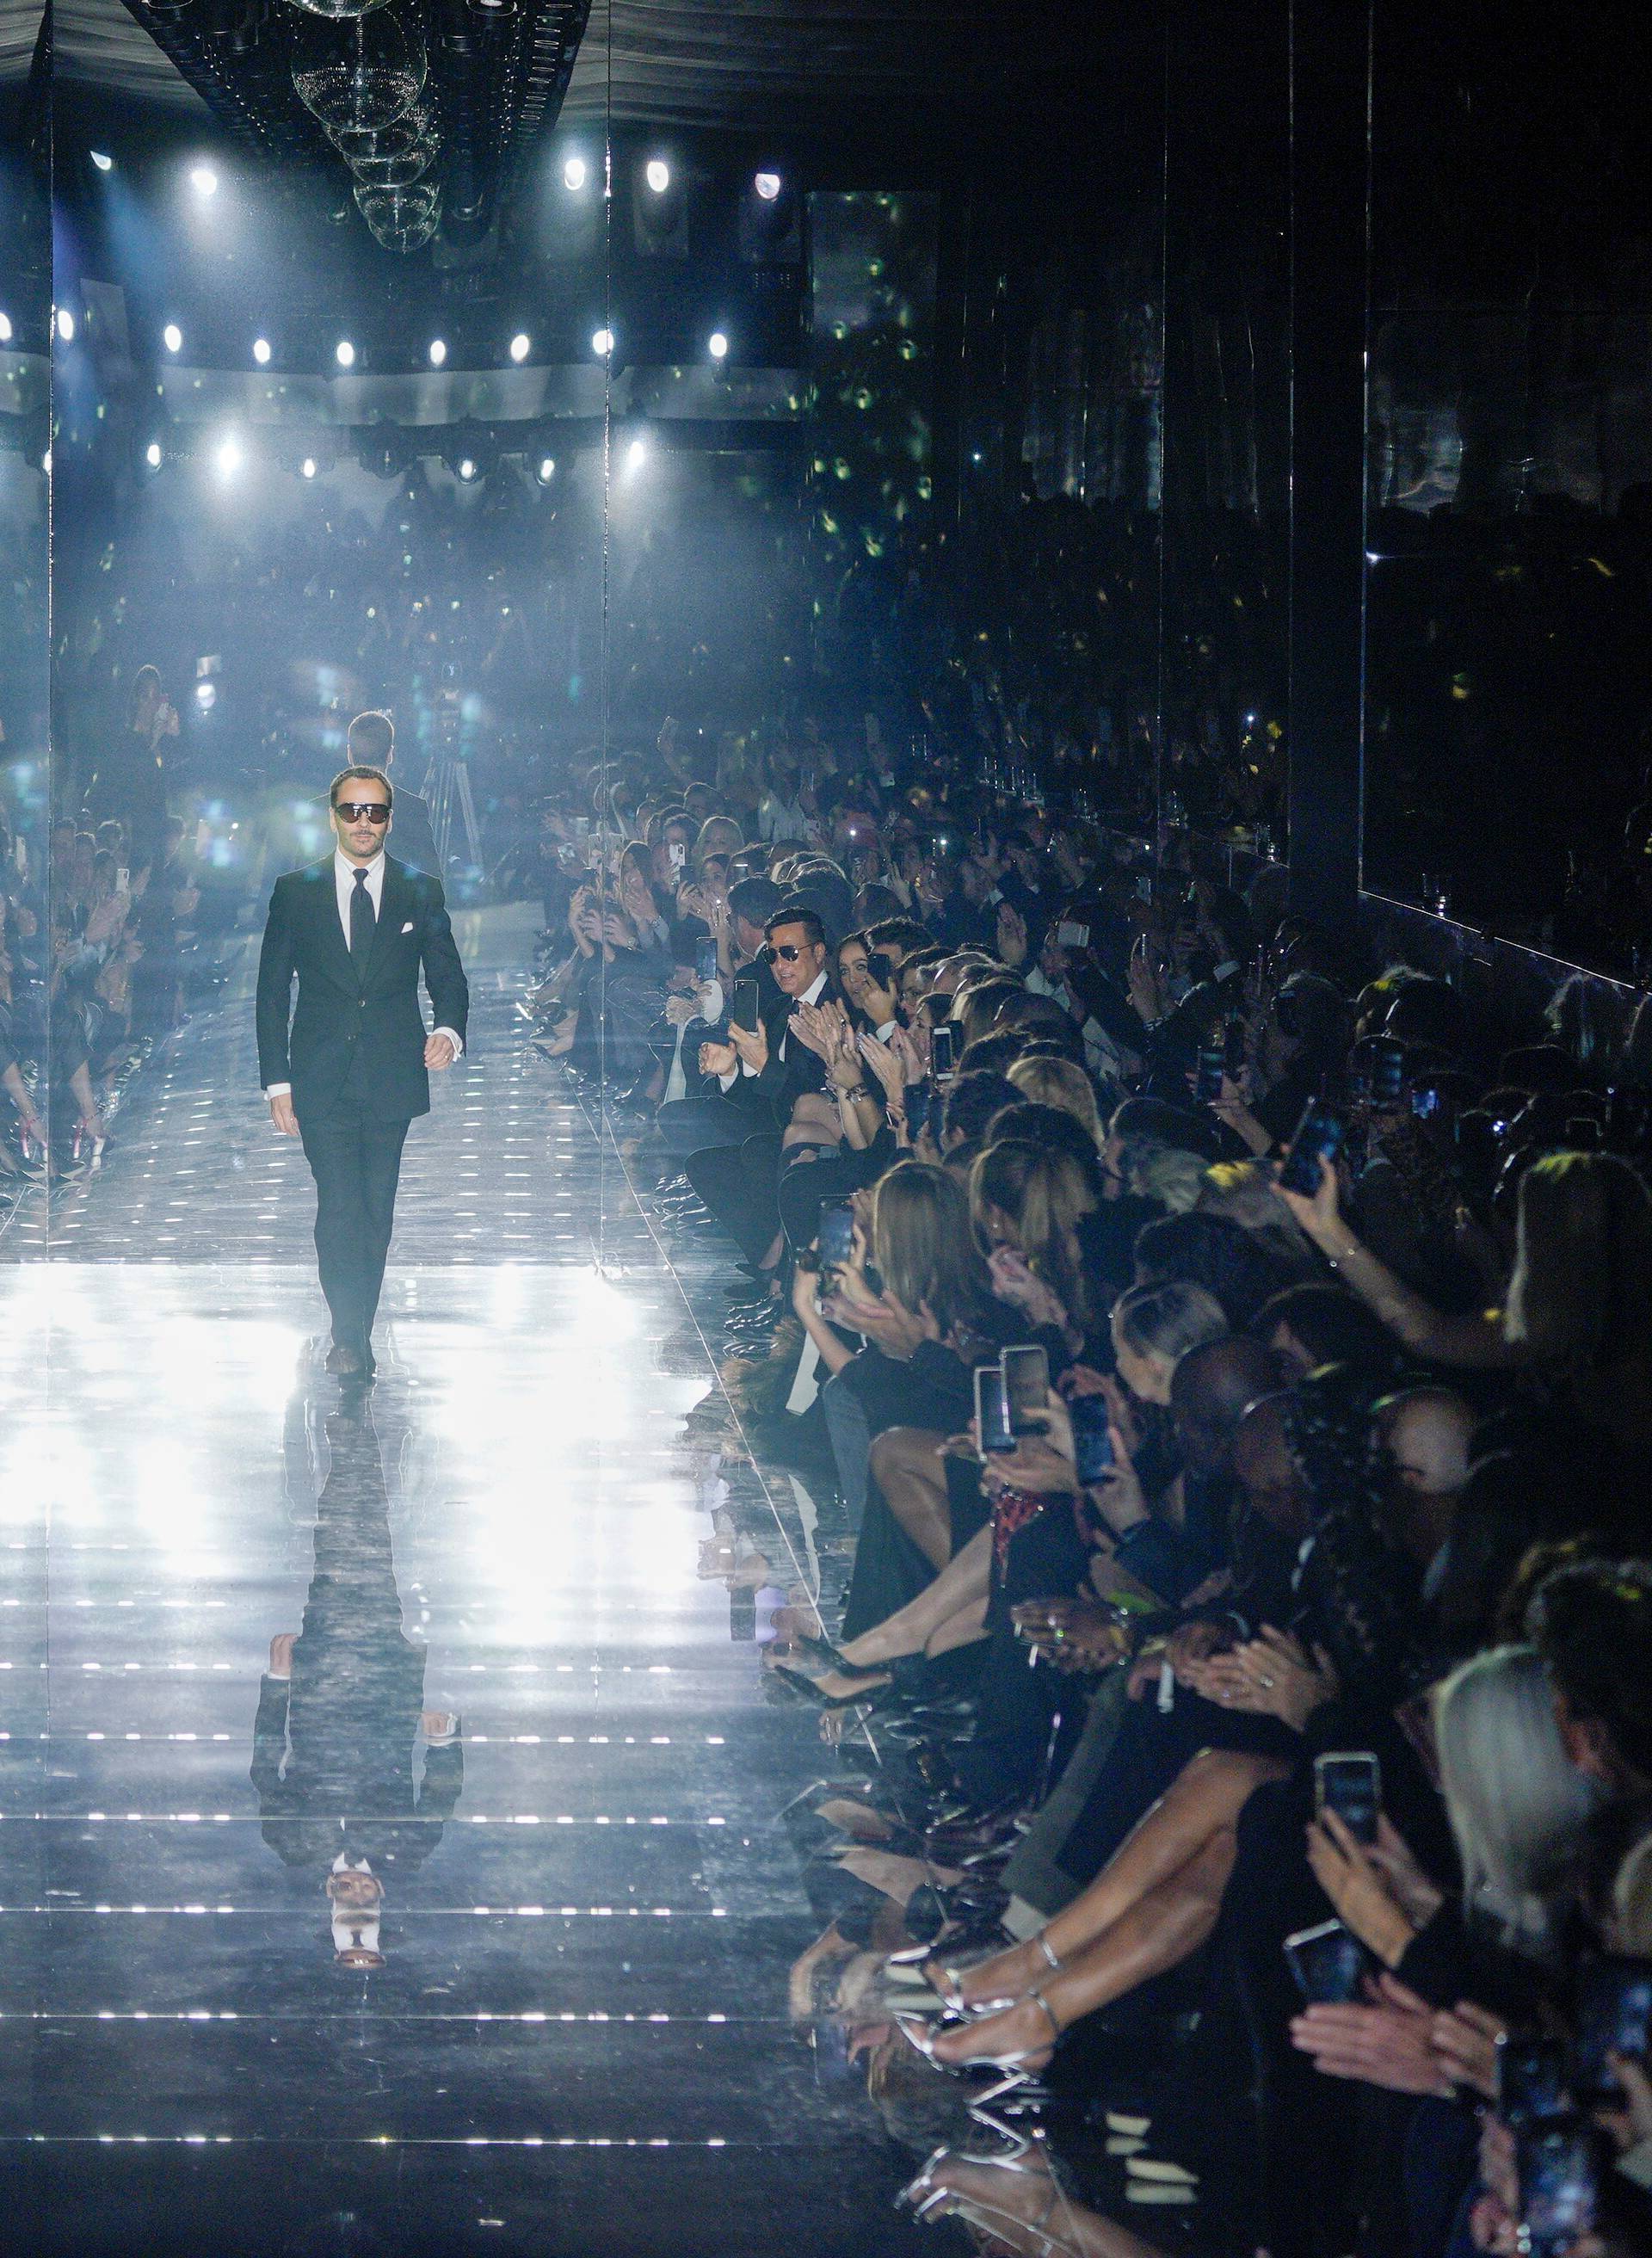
(1510, 431)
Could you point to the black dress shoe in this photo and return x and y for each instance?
(347, 1363)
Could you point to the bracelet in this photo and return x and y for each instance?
(856, 1090)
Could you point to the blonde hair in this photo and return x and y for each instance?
(1166, 1321)
(1631, 1900)
(1165, 1172)
(1242, 1191)
(1058, 1082)
(1517, 1803)
(923, 1245)
(1046, 1195)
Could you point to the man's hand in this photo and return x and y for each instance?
(439, 1052)
(718, 1058)
(281, 1113)
(753, 1049)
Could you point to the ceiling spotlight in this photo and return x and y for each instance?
(574, 174)
(151, 454)
(203, 180)
(227, 456)
(636, 454)
(717, 345)
(657, 174)
(467, 469)
(344, 353)
(66, 325)
(172, 338)
(768, 186)
(546, 470)
(104, 164)
(5, 329)
(307, 468)
(602, 343)
(520, 344)
(438, 353)
(261, 351)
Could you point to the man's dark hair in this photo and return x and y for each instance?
(793, 911)
(754, 899)
(904, 933)
(371, 738)
(1592, 1623)
(376, 775)
(973, 1100)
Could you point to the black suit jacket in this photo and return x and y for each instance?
(371, 1021)
(783, 1081)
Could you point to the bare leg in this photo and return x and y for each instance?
(1205, 1799)
(908, 1470)
(963, 1583)
(1159, 1931)
(962, 1630)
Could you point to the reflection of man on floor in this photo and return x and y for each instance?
(340, 1722)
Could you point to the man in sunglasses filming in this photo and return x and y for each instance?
(352, 1071)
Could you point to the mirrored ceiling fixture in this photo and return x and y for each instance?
(339, 12)
(359, 76)
(393, 157)
(402, 219)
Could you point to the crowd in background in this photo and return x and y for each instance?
(1224, 1374)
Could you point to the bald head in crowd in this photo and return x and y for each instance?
(1427, 1432)
(1210, 1391)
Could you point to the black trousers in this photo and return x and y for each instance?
(355, 1157)
(739, 1183)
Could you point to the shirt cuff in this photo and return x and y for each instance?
(454, 1037)
(747, 1068)
(278, 1089)
(725, 1082)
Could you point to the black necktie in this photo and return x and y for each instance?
(362, 922)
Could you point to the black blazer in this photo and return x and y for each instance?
(339, 1015)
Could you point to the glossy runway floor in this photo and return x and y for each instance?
(577, 2043)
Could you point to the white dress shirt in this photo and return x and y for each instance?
(345, 886)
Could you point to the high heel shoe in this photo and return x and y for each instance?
(924, 2041)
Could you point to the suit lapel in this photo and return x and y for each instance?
(393, 898)
(329, 934)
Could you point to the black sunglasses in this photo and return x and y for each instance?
(376, 811)
(788, 950)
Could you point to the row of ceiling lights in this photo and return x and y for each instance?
(344, 353)
(576, 176)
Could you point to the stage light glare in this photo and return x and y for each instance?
(768, 186)
(104, 164)
(574, 174)
(203, 180)
(307, 468)
(636, 454)
(520, 344)
(151, 454)
(227, 456)
(467, 470)
(261, 351)
(602, 343)
(546, 470)
(344, 353)
(717, 345)
(5, 329)
(172, 338)
(657, 174)
(66, 325)
(438, 351)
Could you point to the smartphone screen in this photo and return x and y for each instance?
(1068, 935)
(1212, 1065)
(937, 1116)
(744, 1014)
(1026, 1384)
(705, 961)
(835, 1237)
(1319, 1135)
(1092, 1440)
(1388, 1073)
(1329, 1963)
(1350, 1785)
(943, 1053)
(677, 854)
(992, 1409)
(1531, 2080)
(1555, 2160)
(1614, 2016)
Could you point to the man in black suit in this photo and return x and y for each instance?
(371, 744)
(354, 1069)
(738, 1182)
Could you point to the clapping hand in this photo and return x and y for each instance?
(881, 1058)
(1014, 1281)
(1272, 1675)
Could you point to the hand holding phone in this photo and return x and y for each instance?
(1026, 1385)
(1350, 1785)
(992, 1410)
(1319, 1137)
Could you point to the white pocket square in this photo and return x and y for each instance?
(408, 927)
